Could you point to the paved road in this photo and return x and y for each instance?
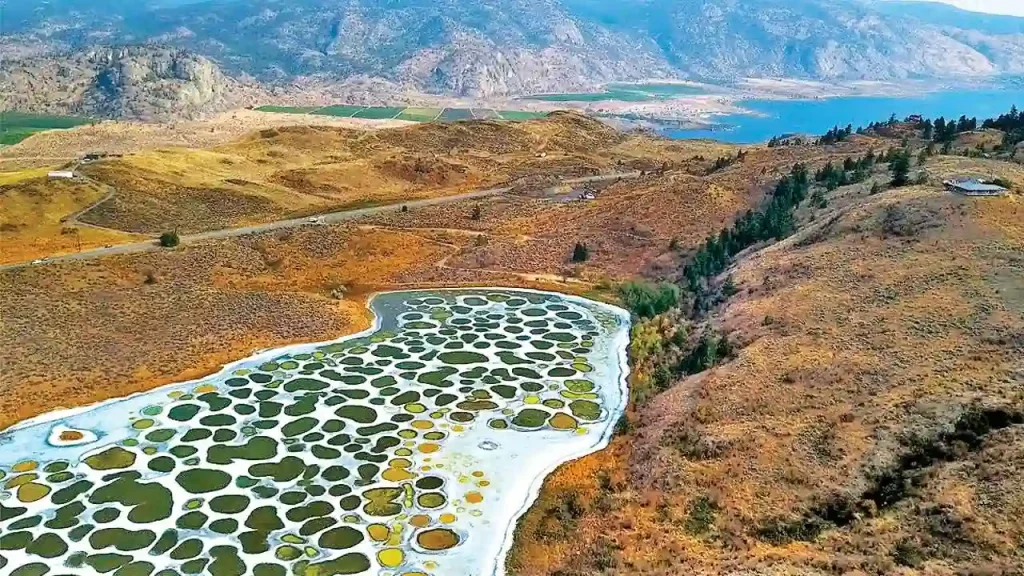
(329, 218)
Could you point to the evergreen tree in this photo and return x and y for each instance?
(940, 129)
(900, 168)
(580, 253)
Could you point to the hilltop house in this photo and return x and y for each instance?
(974, 187)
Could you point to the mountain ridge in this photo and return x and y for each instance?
(515, 47)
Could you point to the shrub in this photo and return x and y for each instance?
(623, 426)
(702, 516)
(647, 300)
(709, 351)
(1003, 182)
(782, 531)
(169, 239)
(907, 553)
(477, 213)
(729, 288)
(693, 444)
(580, 253)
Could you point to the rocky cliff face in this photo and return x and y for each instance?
(146, 82)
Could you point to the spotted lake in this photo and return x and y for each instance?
(407, 450)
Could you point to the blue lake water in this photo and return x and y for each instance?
(777, 117)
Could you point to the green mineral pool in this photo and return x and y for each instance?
(407, 450)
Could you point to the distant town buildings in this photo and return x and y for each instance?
(974, 187)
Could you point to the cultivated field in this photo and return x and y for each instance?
(15, 126)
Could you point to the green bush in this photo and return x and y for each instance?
(580, 253)
(702, 516)
(647, 300)
(169, 239)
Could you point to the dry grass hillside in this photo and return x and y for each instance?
(286, 172)
(34, 217)
(123, 137)
(868, 423)
(128, 323)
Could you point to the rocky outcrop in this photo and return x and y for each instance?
(145, 82)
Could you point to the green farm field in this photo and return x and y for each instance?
(419, 114)
(16, 126)
(383, 113)
(341, 111)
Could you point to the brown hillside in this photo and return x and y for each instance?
(35, 213)
(287, 172)
(864, 338)
(867, 418)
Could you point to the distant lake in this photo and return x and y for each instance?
(779, 117)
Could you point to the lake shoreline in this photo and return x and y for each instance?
(761, 119)
(517, 476)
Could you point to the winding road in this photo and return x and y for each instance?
(328, 218)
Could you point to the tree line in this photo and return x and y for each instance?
(836, 134)
(851, 171)
(772, 221)
(1011, 123)
(940, 130)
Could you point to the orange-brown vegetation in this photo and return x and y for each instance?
(822, 443)
(124, 324)
(843, 437)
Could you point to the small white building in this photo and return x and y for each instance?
(61, 175)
